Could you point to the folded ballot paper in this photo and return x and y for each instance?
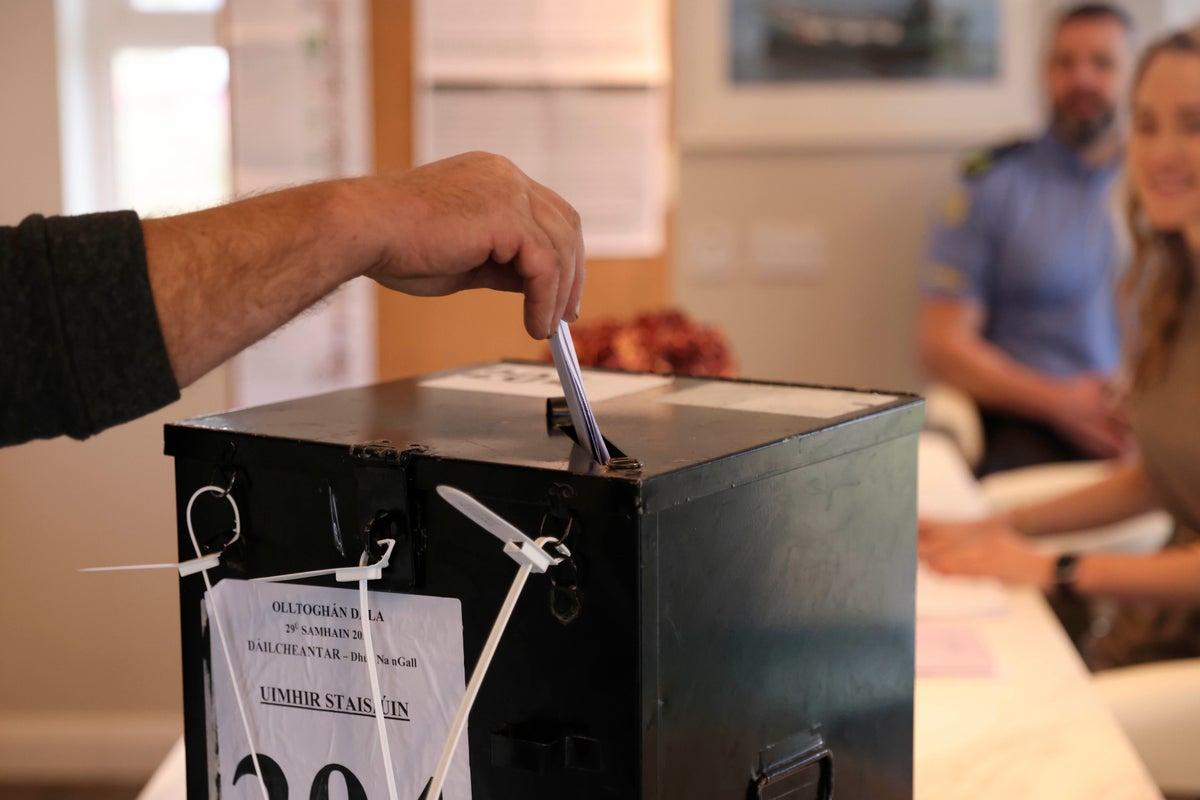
(569, 374)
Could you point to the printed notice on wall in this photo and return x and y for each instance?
(541, 380)
(301, 671)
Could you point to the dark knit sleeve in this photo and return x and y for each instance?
(80, 344)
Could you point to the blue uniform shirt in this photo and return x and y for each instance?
(1029, 235)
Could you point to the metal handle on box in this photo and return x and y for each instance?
(782, 776)
(545, 749)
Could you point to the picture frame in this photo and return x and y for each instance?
(713, 112)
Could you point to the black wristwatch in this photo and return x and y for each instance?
(1065, 569)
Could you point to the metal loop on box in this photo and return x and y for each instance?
(228, 486)
(222, 493)
(566, 532)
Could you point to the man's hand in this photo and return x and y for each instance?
(225, 277)
(473, 221)
(1085, 413)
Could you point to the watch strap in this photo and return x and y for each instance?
(1065, 570)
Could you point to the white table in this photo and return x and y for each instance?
(1039, 729)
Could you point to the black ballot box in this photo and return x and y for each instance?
(736, 616)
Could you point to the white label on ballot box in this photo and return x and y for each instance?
(537, 380)
(798, 401)
(301, 668)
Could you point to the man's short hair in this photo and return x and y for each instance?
(1088, 11)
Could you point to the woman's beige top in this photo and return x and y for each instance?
(1166, 421)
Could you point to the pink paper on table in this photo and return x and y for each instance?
(952, 650)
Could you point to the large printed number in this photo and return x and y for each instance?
(320, 787)
(273, 777)
(277, 785)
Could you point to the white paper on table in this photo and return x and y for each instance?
(300, 664)
(798, 401)
(541, 380)
(958, 597)
(952, 650)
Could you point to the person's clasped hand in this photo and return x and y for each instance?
(1088, 415)
(474, 221)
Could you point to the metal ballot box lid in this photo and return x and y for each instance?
(736, 616)
(677, 425)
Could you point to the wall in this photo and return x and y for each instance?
(853, 321)
(851, 324)
(418, 335)
(89, 679)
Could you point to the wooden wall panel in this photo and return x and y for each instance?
(392, 82)
(419, 334)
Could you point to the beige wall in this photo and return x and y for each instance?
(89, 677)
(29, 135)
(851, 321)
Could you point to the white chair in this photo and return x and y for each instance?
(1158, 705)
(951, 411)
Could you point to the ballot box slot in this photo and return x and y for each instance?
(558, 422)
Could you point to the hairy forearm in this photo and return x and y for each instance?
(1168, 578)
(1121, 495)
(225, 277)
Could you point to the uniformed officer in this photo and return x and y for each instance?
(1019, 303)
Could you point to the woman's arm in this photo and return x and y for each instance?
(1119, 496)
(1123, 494)
(1170, 577)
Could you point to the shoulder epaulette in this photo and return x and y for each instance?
(980, 162)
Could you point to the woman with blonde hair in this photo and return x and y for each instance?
(1162, 314)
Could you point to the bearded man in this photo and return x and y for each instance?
(1019, 299)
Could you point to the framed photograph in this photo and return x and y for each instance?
(781, 73)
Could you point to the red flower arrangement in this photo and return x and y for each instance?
(666, 342)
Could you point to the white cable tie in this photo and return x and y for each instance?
(372, 670)
(531, 557)
(369, 572)
(477, 676)
(189, 567)
(519, 547)
(362, 574)
(237, 695)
